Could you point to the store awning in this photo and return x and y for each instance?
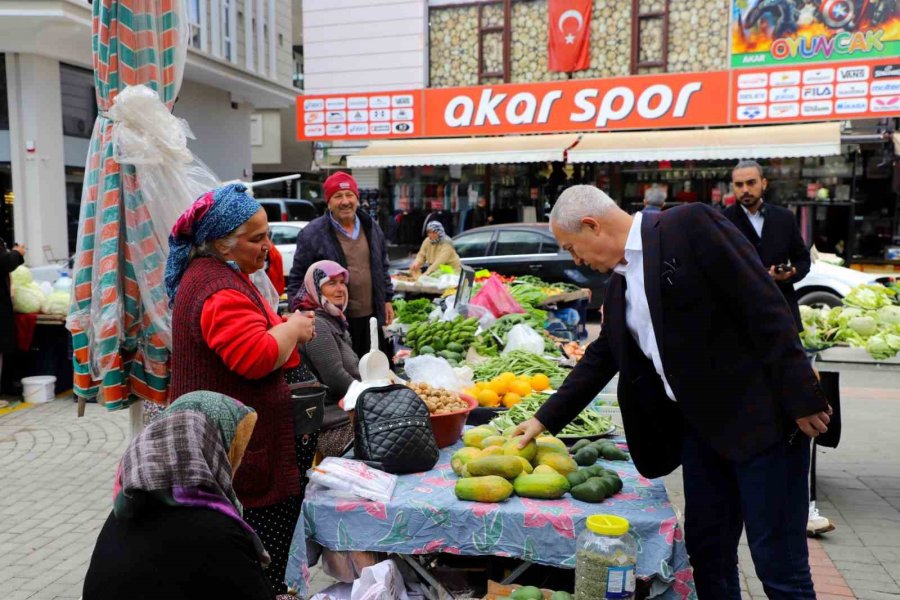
(772, 141)
(463, 151)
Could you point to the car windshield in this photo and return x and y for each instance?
(283, 235)
(301, 211)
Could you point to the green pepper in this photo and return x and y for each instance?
(580, 444)
(595, 489)
(586, 456)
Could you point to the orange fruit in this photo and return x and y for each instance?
(540, 382)
(472, 391)
(519, 387)
(507, 376)
(524, 377)
(488, 398)
(480, 385)
(499, 386)
(510, 399)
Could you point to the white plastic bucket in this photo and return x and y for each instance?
(39, 389)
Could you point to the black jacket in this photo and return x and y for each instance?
(781, 243)
(9, 260)
(729, 348)
(176, 553)
(318, 241)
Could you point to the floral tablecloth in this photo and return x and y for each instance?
(424, 516)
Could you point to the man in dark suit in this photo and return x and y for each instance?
(772, 230)
(711, 377)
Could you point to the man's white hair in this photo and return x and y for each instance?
(578, 202)
(654, 196)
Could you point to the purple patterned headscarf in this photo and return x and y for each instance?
(310, 296)
(186, 458)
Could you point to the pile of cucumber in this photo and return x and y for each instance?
(448, 339)
(586, 452)
(594, 484)
(529, 592)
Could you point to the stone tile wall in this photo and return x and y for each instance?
(698, 35)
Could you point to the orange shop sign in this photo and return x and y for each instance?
(638, 102)
(860, 89)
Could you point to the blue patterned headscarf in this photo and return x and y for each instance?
(212, 216)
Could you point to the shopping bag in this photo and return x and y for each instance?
(496, 298)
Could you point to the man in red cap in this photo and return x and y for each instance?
(354, 240)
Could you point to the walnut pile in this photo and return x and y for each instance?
(438, 400)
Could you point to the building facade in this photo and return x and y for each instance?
(240, 60)
(843, 193)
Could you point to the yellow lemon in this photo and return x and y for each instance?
(507, 376)
(488, 398)
(522, 388)
(499, 386)
(510, 399)
(540, 382)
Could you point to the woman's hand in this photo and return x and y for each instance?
(303, 324)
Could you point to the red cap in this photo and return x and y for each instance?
(340, 181)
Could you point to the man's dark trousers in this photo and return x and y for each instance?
(769, 493)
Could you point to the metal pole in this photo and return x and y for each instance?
(252, 184)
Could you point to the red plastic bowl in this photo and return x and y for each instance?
(448, 428)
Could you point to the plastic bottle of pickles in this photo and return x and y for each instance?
(604, 561)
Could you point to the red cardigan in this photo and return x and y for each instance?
(234, 328)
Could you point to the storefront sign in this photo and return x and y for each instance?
(360, 116)
(829, 92)
(832, 91)
(776, 32)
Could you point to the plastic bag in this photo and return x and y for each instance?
(354, 477)
(347, 566)
(485, 318)
(380, 582)
(523, 337)
(495, 297)
(434, 371)
(266, 289)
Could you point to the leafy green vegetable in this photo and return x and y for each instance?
(521, 362)
(21, 276)
(412, 311)
(588, 421)
(870, 297)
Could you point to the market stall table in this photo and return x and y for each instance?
(425, 517)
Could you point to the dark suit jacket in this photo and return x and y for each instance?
(729, 348)
(780, 243)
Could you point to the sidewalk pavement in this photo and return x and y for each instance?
(56, 473)
(858, 490)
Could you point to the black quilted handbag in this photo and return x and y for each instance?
(393, 430)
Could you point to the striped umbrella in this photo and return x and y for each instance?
(119, 314)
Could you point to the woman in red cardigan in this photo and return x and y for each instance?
(227, 339)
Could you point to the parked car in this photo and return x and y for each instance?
(522, 249)
(288, 209)
(284, 236)
(827, 284)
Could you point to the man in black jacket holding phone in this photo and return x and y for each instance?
(712, 377)
(771, 229)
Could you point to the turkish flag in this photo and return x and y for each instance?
(569, 47)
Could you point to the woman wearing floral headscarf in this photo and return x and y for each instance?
(226, 338)
(437, 249)
(176, 530)
(330, 353)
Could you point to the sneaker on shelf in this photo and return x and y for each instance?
(816, 524)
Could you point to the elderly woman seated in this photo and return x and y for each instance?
(437, 249)
(329, 354)
(176, 530)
